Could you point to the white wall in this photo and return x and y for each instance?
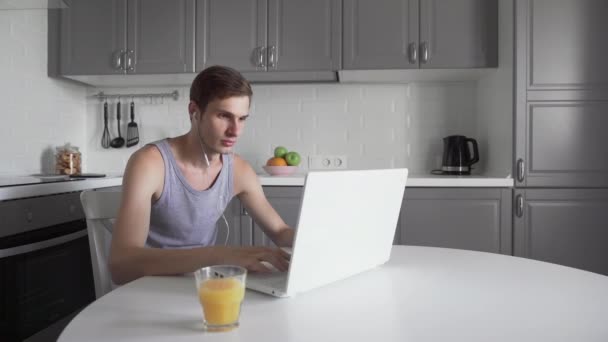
(373, 125)
(37, 113)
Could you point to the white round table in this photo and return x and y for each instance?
(421, 294)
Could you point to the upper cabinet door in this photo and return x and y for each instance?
(304, 35)
(380, 34)
(458, 34)
(93, 37)
(160, 36)
(565, 44)
(231, 33)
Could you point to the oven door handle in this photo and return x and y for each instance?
(32, 247)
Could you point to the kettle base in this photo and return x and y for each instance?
(450, 173)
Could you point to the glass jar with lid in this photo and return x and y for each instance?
(68, 160)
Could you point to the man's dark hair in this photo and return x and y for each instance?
(218, 82)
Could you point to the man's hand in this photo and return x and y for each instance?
(252, 257)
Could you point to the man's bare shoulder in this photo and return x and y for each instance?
(244, 175)
(146, 165)
(147, 155)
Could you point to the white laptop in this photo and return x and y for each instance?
(346, 225)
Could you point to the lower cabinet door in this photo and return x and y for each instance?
(230, 232)
(286, 201)
(465, 218)
(563, 226)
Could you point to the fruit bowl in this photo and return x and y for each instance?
(280, 170)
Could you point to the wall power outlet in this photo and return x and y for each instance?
(327, 162)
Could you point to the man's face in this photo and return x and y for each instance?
(222, 123)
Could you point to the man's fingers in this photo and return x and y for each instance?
(276, 260)
(258, 266)
(285, 254)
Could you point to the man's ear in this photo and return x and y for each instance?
(193, 110)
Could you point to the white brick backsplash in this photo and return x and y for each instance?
(366, 123)
(329, 92)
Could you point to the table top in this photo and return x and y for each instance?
(421, 294)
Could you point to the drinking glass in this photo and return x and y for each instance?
(221, 290)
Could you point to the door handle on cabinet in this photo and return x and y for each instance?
(520, 170)
(262, 57)
(413, 53)
(519, 205)
(272, 58)
(424, 47)
(130, 60)
(117, 59)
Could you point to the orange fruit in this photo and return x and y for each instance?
(276, 161)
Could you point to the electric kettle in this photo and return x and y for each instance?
(457, 159)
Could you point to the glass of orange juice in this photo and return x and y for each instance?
(221, 290)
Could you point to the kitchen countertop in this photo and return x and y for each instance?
(414, 180)
(41, 189)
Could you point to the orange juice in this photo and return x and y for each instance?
(221, 300)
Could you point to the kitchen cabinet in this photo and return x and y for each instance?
(563, 45)
(562, 144)
(232, 235)
(269, 35)
(107, 37)
(563, 226)
(286, 201)
(411, 34)
(561, 94)
(246, 232)
(466, 218)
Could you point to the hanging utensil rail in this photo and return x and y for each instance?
(102, 96)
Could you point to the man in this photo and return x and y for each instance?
(174, 191)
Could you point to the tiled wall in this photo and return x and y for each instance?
(374, 126)
(37, 113)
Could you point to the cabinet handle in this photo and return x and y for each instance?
(424, 46)
(520, 170)
(272, 59)
(262, 57)
(519, 206)
(413, 53)
(117, 59)
(244, 211)
(130, 59)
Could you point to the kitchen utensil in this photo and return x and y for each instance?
(118, 141)
(105, 138)
(457, 158)
(132, 130)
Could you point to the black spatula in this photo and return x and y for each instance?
(132, 130)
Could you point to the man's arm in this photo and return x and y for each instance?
(252, 196)
(131, 259)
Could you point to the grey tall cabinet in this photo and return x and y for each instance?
(269, 35)
(105, 37)
(561, 158)
(411, 34)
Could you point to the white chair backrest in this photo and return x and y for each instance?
(100, 210)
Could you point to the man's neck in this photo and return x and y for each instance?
(191, 153)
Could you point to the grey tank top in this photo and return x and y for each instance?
(184, 217)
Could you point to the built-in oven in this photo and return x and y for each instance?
(45, 265)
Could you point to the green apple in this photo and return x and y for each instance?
(292, 158)
(280, 152)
